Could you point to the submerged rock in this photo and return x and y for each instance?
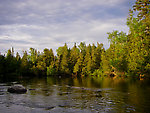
(17, 89)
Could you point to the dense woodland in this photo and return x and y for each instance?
(128, 54)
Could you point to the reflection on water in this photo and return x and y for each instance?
(76, 95)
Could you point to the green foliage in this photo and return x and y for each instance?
(127, 54)
(74, 54)
(25, 65)
(2, 65)
(98, 72)
(82, 48)
(63, 59)
(139, 41)
(143, 8)
(51, 70)
(105, 64)
(79, 65)
(48, 56)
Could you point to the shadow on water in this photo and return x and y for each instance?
(76, 95)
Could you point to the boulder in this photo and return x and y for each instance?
(17, 89)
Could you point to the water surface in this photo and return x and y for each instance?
(76, 95)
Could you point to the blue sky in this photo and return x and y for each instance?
(51, 23)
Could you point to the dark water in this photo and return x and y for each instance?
(77, 95)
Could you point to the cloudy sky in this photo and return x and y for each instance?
(51, 23)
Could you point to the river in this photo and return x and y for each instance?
(76, 95)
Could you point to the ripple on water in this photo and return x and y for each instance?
(44, 97)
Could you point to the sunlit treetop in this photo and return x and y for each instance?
(143, 8)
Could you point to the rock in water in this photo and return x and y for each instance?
(17, 89)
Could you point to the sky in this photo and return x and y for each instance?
(52, 23)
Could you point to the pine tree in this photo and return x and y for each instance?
(48, 56)
(82, 48)
(87, 65)
(25, 66)
(79, 65)
(10, 61)
(74, 55)
(33, 56)
(18, 63)
(63, 59)
(2, 66)
(94, 59)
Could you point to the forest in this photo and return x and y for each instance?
(128, 54)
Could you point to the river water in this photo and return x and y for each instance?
(76, 95)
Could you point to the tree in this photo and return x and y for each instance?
(52, 70)
(74, 54)
(97, 59)
(143, 8)
(82, 48)
(25, 66)
(79, 65)
(18, 56)
(87, 64)
(43, 62)
(10, 62)
(2, 66)
(99, 50)
(33, 56)
(117, 51)
(63, 59)
(18, 63)
(139, 41)
(48, 56)
(105, 64)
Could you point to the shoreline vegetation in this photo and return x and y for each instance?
(127, 56)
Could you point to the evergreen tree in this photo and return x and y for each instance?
(82, 48)
(79, 65)
(10, 62)
(94, 59)
(18, 63)
(74, 54)
(87, 65)
(48, 56)
(33, 56)
(63, 59)
(105, 64)
(2, 66)
(99, 50)
(18, 56)
(25, 66)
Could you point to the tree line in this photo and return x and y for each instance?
(128, 54)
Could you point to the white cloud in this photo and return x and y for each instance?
(51, 23)
(55, 35)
